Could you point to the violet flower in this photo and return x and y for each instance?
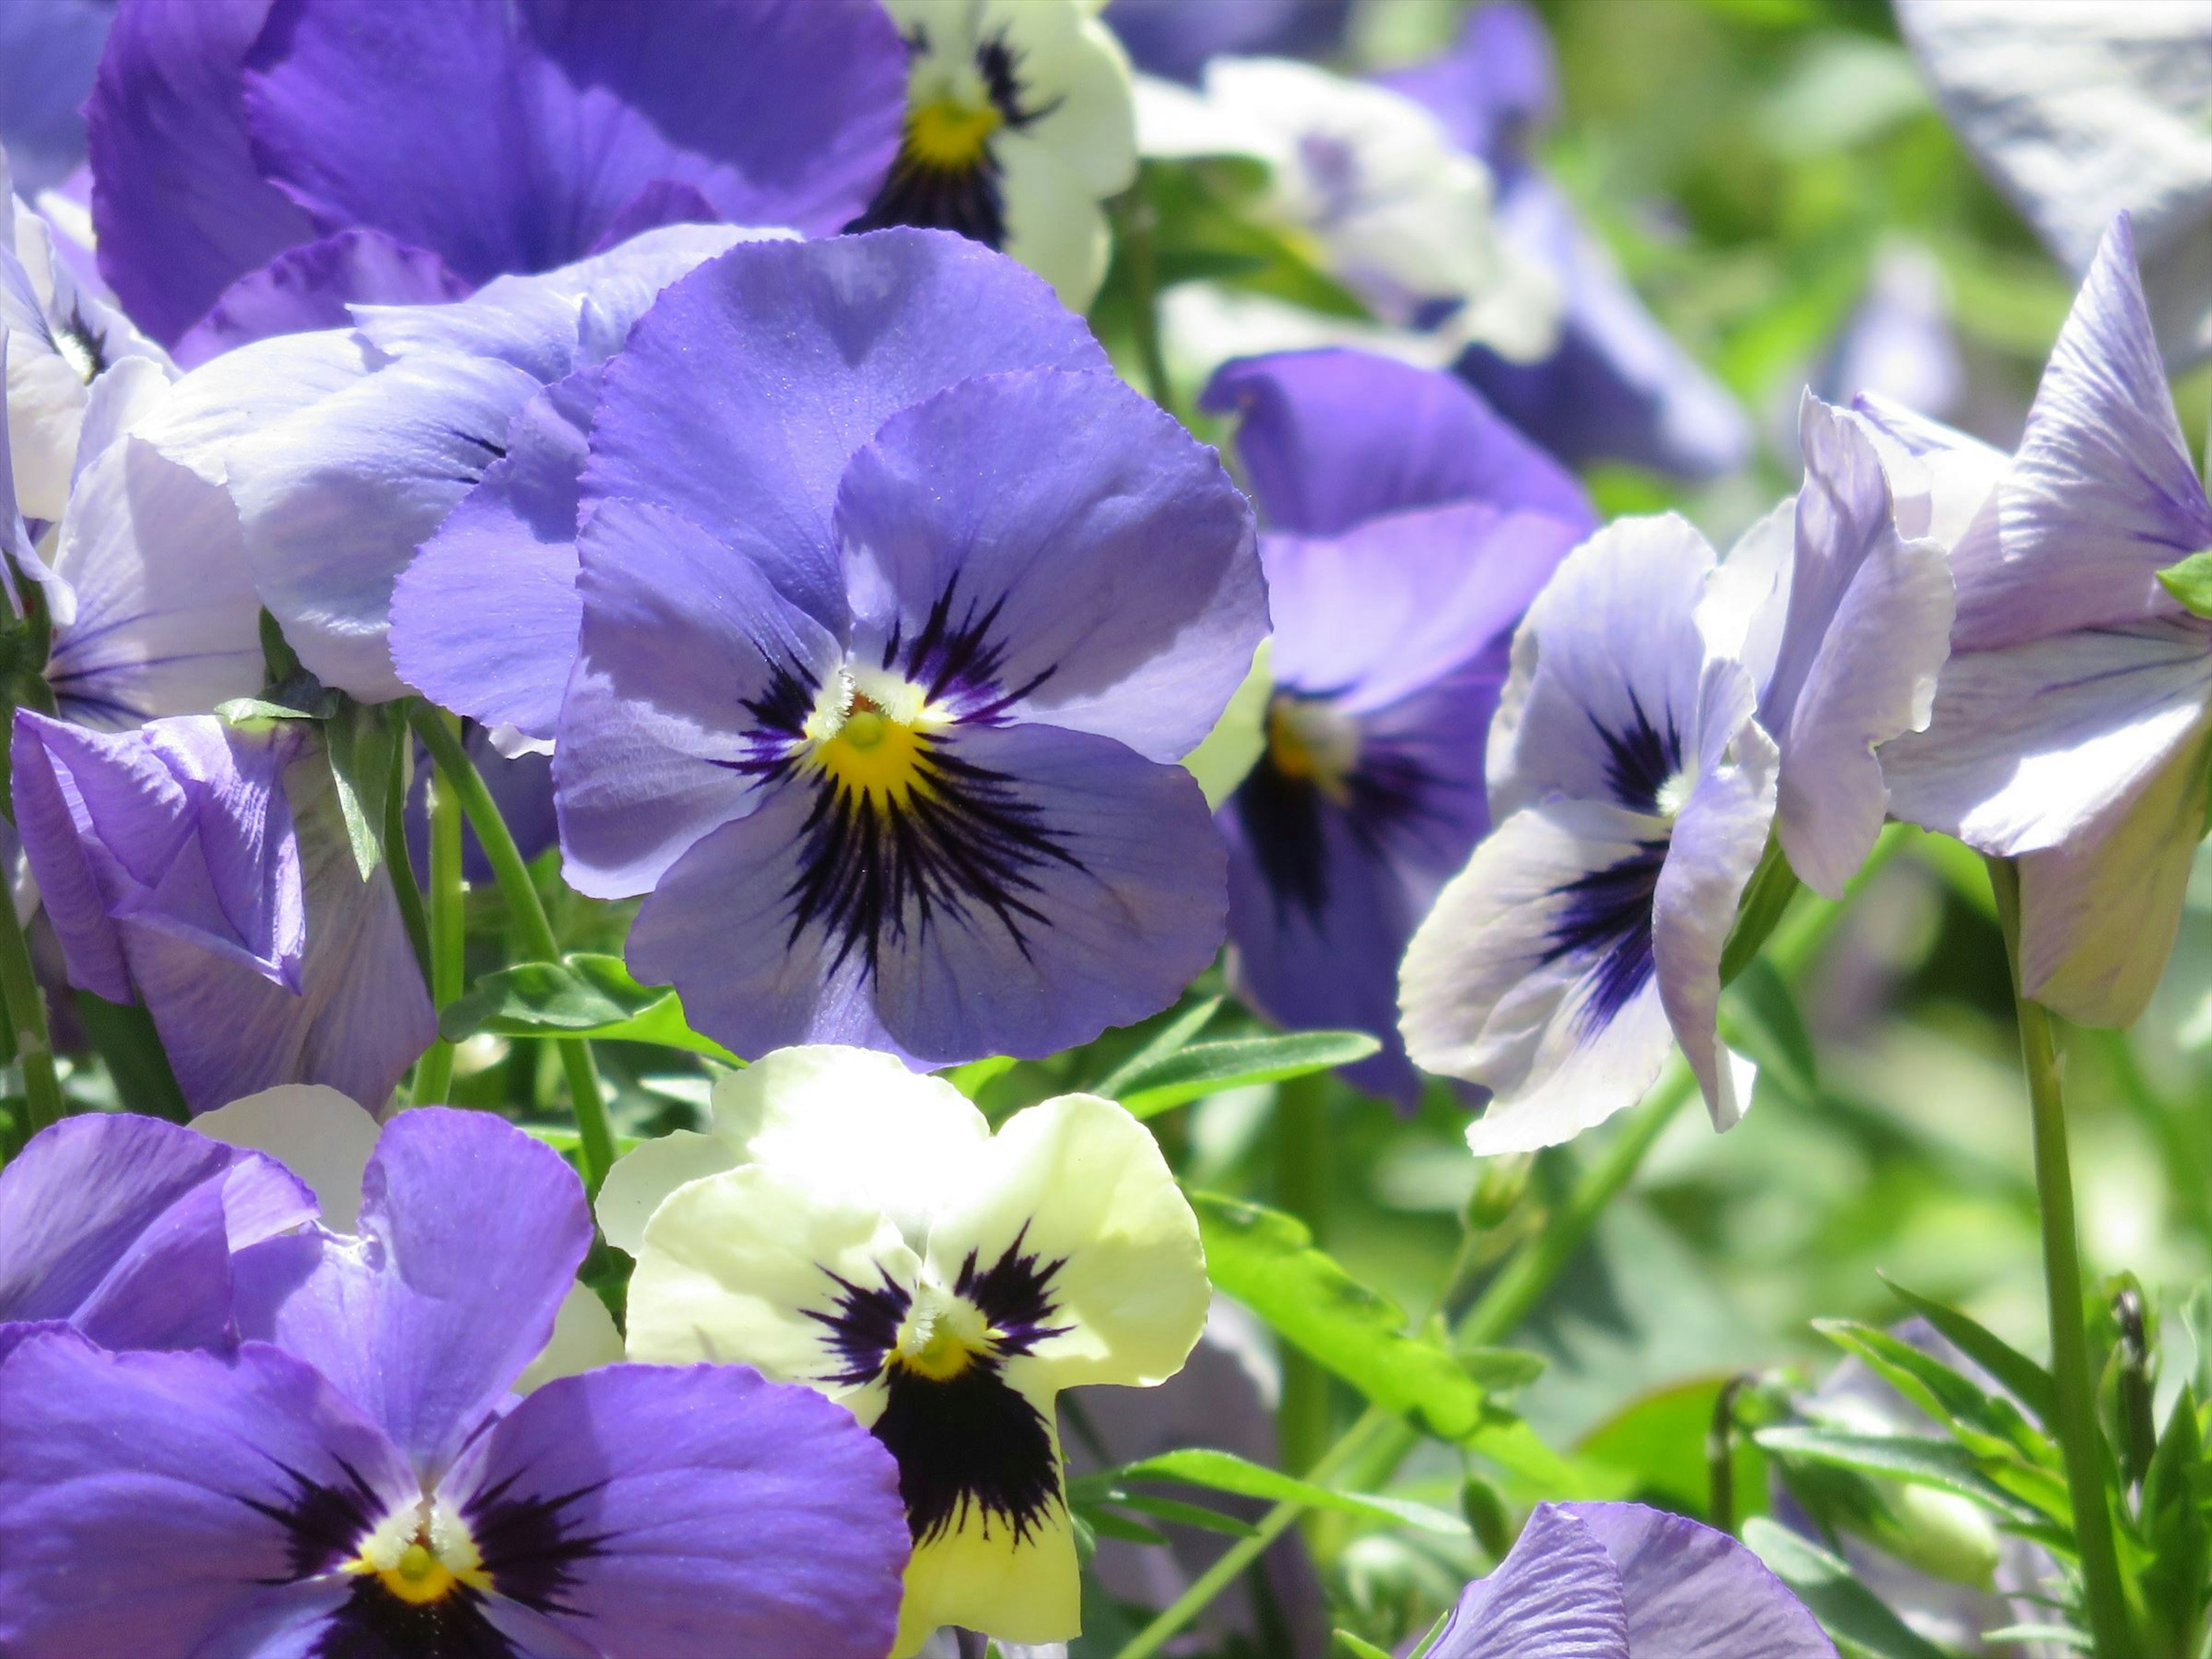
(2072, 727)
(1617, 388)
(48, 49)
(271, 161)
(1619, 1581)
(123, 1228)
(353, 1478)
(205, 871)
(884, 661)
(1408, 528)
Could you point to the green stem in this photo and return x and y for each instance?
(1301, 1145)
(27, 1019)
(442, 738)
(2079, 1438)
(1134, 221)
(446, 930)
(395, 854)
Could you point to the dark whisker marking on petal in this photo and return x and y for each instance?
(1639, 761)
(372, 1623)
(529, 1545)
(1608, 920)
(1014, 1293)
(864, 1328)
(324, 1524)
(968, 1442)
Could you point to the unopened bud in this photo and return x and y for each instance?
(1498, 1184)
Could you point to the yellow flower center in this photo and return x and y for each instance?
(940, 1337)
(1315, 743)
(421, 1555)
(870, 738)
(948, 136)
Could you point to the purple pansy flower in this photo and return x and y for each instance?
(47, 52)
(123, 1228)
(1408, 528)
(1632, 790)
(272, 160)
(355, 1478)
(206, 871)
(1619, 1581)
(2072, 727)
(897, 608)
(1618, 387)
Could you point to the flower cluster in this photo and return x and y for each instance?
(691, 440)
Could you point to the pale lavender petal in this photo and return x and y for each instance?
(1052, 547)
(179, 208)
(2102, 493)
(1328, 438)
(1693, 1593)
(654, 754)
(470, 1235)
(311, 286)
(1556, 1595)
(196, 1530)
(49, 50)
(124, 1227)
(714, 1515)
(742, 397)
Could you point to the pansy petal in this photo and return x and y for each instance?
(1942, 483)
(2030, 743)
(642, 1178)
(321, 1135)
(196, 1527)
(695, 1514)
(1532, 974)
(2102, 493)
(1694, 1593)
(180, 208)
(517, 136)
(740, 399)
(471, 1232)
(652, 754)
(976, 1574)
(123, 1226)
(51, 49)
(1556, 1595)
(312, 286)
(1063, 550)
(1331, 437)
(1606, 672)
(748, 1267)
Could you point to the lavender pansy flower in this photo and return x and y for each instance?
(885, 663)
(2072, 727)
(352, 1478)
(1619, 1581)
(229, 134)
(338, 452)
(48, 49)
(1408, 529)
(1616, 386)
(206, 871)
(1632, 790)
(123, 1228)
(1018, 126)
(877, 1241)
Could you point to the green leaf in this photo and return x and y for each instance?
(583, 995)
(1990, 1423)
(1267, 1260)
(2029, 1382)
(1239, 738)
(1358, 1647)
(1188, 1515)
(2176, 1527)
(1760, 1020)
(1501, 1370)
(2191, 582)
(1122, 1526)
(1850, 1613)
(1171, 1038)
(359, 738)
(1221, 1471)
(1916, 1460)
(970, 1078)
(1208, 1068)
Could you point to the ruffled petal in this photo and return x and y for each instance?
(312, 286)
(1556, 1595)
(1693, 1593)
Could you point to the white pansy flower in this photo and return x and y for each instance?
(870, 1235)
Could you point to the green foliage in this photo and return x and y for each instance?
(1850, 1613)
(2189, 581)
(583, 995)
(1207, 1068)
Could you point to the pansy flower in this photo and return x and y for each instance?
(258, 165)
(48, 49)
(2072, 727)
(884, 661)
(354, 1478)
(205, 871)
(1619, 1581)
(123, 1228)
(1408, 529)
(1632, 791)
(1019, 126)
(877, 1241)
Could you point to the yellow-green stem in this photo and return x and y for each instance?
(1301, 1147)
(446, 928)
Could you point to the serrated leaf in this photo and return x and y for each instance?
(2191, 582)
(585, 994)
(1267, 1261)
(1847, 1610)
(1208, 1068)
(1221, 1471)
(1760, 1020)
(1916, 1460)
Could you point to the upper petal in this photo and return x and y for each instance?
(1556, 1595)
(313, 285)
(1693, 1593)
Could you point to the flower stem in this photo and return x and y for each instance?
(2079, 1439)
(446, 930)
(441, 736)
(27, 1019)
